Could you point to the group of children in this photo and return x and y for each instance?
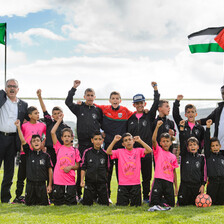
(112, 135)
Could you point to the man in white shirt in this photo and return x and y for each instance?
(11, 109)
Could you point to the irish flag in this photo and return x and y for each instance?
(208, 40)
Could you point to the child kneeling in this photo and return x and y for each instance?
(165, 173)
(38, 170)
(129, 166)
(94, 168)
(64, 189)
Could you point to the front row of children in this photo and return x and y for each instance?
(94, 169)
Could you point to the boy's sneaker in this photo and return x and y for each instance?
(19, 200)
(158, 208)
(110, 201)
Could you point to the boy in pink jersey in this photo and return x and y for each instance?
(129, 167)
(165, 173)
(64, 189)
(32, 127)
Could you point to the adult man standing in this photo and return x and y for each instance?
(11, 109)
(217, 117)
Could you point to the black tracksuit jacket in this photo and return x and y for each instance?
(197, 131)
(192, 165)
(37, 164)
(95, 163)
(143, 126)
(214, 161)
(89, 118)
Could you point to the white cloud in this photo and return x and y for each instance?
(27, 36)
(23, 7)
(129, 76)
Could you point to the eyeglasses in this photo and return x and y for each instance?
(12, 86)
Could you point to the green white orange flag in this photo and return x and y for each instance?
(2, 33)
(208, 40)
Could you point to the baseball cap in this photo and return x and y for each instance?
(138, 98)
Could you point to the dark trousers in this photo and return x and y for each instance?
(36, 193)
(64, 194)
(95, 190)
(113, 162)
(216, 191)
(162, 188)
(129, 194)
(146, 170)
(7, 154)
(21, 176)
(82, 148)
(187, 193)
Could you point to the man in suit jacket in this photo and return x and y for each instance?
(11, 109)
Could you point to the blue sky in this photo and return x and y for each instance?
(111, 45)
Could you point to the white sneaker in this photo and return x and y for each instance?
(110, 201)
(158, 208)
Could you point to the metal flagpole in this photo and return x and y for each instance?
(5, 50)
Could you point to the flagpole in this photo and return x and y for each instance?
(5, 50)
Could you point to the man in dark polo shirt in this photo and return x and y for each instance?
(11, 109)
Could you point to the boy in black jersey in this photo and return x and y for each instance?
(191, 127)
(94, 169)
(168, 125)
(38, 170)
(192, 169)
(215, 167)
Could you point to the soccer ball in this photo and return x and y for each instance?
(203, 200)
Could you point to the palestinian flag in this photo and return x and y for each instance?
(208, 40)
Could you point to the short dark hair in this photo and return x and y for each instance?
(161, 102)
(126, 135)
(35, 136)
(57, 108)
(214, 139)
(31, 109)
(165, 135)
(193, 139)
(222, 87)
(96, 133)
(115, 93)
(89, 90)
(190, 106)
(68, 130)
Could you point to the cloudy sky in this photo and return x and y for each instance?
(111, 45)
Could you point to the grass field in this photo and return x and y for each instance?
(16, 213)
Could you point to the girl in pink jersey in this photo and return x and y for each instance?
(64, 189)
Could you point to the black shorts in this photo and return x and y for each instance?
(36, 193)
(129, 194)
(187, 193)
(64, 194)
(162, 192)
(95, 190)
(215, 189)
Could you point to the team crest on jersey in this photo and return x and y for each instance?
(102, 161)
(144, 123)
(197, 164)
(222, 161)
(167, 127)
(196, 132)
(42, 162)
(94, 116)
(120, 115)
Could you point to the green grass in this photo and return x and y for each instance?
(16, 213)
